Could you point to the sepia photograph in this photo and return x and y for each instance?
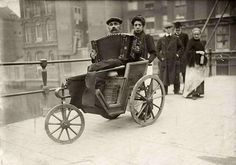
(117, 82)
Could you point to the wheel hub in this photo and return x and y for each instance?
(65, 124)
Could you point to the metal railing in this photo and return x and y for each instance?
(45, 89)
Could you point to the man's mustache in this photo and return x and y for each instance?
(114, 29)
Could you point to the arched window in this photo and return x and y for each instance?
(28, 33)
(38, 32)
(39, 55)
(51, 55)
(51, 30)
(28, 56)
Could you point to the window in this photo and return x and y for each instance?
(132, 5)
(222, 38)
(180, 9)
(48, 7)
(220, 8)
(164, 2)
(150, 25)
(222, 65)
(78, 15)
(27, 12)
(36, 8)
(51, 30)
(164, 19)
(28, 33)
(28, 56)
(51, 55)
(38, 32)
(149, 5)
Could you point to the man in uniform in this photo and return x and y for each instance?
(184, 39)
(169, 48)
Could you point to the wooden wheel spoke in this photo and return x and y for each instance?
(68, 114)
(144, 88)
(143, 107)
(75, 124)
(73, 131)
(150, 110)
(74, 117)
(59, 136)
(138, 104)
(150, 87)
(141, 96)
(157, 106)
(153, 92)
(67, 132)
(157, 97)
(56, 117)
(55, 130)
(54, 123)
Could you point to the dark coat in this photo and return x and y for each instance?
(167, 49)
(190, 53)
(148, 46)
(183, 62)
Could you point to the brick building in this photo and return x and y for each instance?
(192, 13)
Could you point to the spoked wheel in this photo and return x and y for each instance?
(147, 100)
(64, 123)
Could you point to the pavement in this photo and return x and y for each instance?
(188, 132)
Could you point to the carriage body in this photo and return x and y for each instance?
(130, 85)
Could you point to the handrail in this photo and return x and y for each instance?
(39, 62)
(26, 93)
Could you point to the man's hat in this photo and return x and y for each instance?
(168, 24)
(116, 19)
(177, 24)
(138, 18)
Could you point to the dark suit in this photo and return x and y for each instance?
(184, 39)
(167, 49)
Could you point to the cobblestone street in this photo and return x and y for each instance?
(188, 132)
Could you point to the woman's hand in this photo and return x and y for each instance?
(200, 52)
(93, 54)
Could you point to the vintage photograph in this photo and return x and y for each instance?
(117, 82)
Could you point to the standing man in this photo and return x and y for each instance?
(146, 41)
(184, 39)
(169, 48)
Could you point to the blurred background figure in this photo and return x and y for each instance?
(169, 48)
(184, 39)
(196, 69)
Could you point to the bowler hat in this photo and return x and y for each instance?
(138, 18)
(116, 19)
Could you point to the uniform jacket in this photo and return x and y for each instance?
(167, 49)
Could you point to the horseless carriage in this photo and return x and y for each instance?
(129, 88)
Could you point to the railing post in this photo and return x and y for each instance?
(210, 62)
(43, 64)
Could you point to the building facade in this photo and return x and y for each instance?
(11, 43)
(53, 30)
(192, 14)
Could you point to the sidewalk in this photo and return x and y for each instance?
(188, 132)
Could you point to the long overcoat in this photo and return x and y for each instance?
(183, 61)
(169, 49)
